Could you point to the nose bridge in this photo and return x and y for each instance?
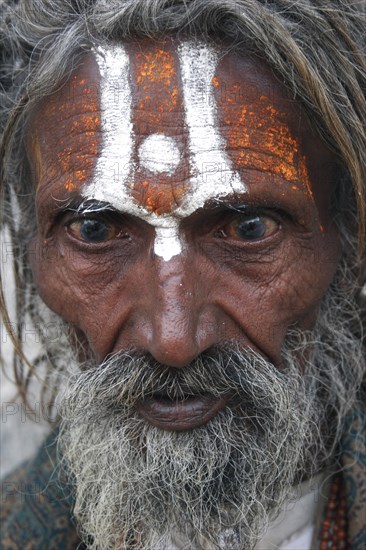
(174, 310)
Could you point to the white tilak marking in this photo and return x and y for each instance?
(213, 176)
(159, 154)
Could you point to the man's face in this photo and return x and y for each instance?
(183, 209)
(214, 190)
(220, 228)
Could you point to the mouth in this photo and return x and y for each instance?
(178, 415)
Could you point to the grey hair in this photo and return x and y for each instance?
(316, 47)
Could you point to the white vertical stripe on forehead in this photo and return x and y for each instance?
(114, 165)
(213, 175)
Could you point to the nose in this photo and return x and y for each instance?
(176, 322)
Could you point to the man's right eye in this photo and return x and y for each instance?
(92, 230)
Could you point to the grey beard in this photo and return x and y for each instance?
(217, 486)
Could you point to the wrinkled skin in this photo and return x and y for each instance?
(223, 286)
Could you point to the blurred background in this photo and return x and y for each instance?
(21, 431)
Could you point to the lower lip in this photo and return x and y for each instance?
(178, 416)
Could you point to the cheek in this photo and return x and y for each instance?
(58, 276)
(91, 292)
(56, 280)
(267, 295)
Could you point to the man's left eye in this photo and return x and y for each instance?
(92, 230)
(250, 227)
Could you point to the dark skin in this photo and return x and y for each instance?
(252, 265)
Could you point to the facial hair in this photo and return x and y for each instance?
(219, 485)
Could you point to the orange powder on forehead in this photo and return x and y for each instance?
(85, 128)
(157, 109)
(71, 122)
(259, 139)
(157, 84)
(161, 199)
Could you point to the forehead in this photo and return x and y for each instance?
(161, 118)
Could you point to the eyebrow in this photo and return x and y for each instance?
(245, 207)
(236, 206)
(79, 205)
(231, 205)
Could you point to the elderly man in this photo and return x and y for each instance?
(184, 184)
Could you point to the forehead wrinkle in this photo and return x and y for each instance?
(260, 121)
(68, 134)
(263, 131)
